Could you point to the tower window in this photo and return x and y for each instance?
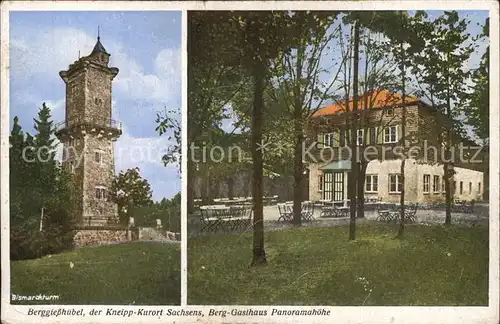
(98, 101)
(100, 193)
(98, 156)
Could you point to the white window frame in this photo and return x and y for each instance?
(389, 134)
(435, 184)
(371, 188)
(100, 192)
(398, 182)
(328, 139)
(427, 184)
(360, 137)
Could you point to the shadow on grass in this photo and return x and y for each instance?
(430, 265)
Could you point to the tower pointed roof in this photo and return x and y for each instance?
(98, 48)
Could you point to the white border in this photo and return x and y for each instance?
(490, 314)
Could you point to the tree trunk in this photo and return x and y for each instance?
(259, 253)
(447, 188)
(486, 174)
(354, 133)
(230, 187)
(402, 199)
(217, 193)
(298, 131)
(403, 144)
(298, 169)
(190, 177)
(447, 152)
(361, 189)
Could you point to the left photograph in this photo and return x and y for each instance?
(94, 133)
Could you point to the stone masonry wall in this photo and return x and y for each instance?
(90, 237)
(98, 86)
(98, 174)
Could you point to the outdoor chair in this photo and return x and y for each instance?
(209, 221)
(410, 213)
(386, 215)
(286, 213)
(241, 217)
(308, 211)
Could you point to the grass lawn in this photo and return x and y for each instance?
(140, 273)
(431, 265)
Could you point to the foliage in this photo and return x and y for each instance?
(478, 101)
(169, 120)
(129, 190)
(166, 210)
(42, 193)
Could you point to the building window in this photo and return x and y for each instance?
(373, 135)
(100, 193)
(395, 183)
(390, 112)
(479, 188)
(371, 183)
(98, 156)
(470, 188)
(435, 184)
(361, 137)
(320, 184)
(98, 101)
(391, 134)
(461, 187)
(427, 180)
(329, 138)
(443, 185)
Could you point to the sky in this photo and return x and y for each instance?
(145, 46)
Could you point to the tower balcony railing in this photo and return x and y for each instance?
(89, 122)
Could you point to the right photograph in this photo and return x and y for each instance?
(338, 158)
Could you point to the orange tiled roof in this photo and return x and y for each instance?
(376, 99)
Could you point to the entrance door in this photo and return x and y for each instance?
(338, 186)
(333, 186)
(327, 185)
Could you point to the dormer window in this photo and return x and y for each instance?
(390, 112)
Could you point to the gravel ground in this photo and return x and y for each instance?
(424, 216)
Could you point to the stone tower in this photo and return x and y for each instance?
(88, 133)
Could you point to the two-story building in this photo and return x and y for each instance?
(380, 141)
